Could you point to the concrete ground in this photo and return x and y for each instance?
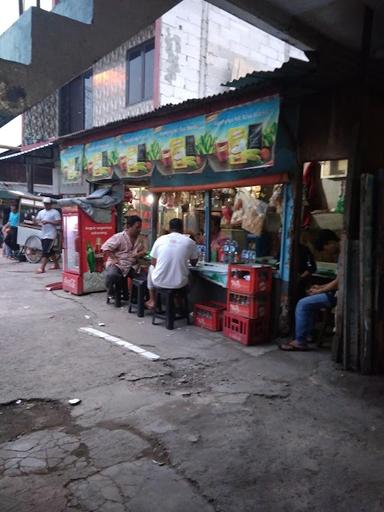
(210, 426)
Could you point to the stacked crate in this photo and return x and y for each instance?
(248, 316)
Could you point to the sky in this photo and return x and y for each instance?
(10, 134)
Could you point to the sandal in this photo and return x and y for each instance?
(293, 346)
(39, 271)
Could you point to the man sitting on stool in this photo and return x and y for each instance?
(320, 296)
(123, 251)
(170, 256)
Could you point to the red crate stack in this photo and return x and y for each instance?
(209, 315)
(248, 314)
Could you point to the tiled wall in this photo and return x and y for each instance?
(109, 84)
(42, 121)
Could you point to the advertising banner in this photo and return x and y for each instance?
(136, 153)
(179, 146)
(243, 137)
(71, 163)
(100, 157)
(238, 138)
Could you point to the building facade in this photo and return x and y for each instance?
(188, 53)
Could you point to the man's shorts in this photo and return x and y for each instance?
(47, 244)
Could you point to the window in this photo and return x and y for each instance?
(140, 61)
(75, 105)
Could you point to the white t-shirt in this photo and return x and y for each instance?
(172, 253)
(48, 230)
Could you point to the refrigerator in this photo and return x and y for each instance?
(83, 260)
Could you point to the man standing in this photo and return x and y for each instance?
(10, 230)
(320, 296)
(123, 251)
(49, 219)
(170, 256)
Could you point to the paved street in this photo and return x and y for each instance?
(209, 426)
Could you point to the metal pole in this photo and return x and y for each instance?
(38, 4)
(21, 7)
(154, 218)
(207, 223)
(30, 176)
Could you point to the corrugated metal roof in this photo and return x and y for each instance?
(28, 149)
(170, 108)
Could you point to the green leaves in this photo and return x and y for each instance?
(205, 144)
(269, 135)
(154, 151)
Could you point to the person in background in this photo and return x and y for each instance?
(10, 230)
(319, 296)
(49, 219)
(307, 267)
(123, 251)
(170, 257)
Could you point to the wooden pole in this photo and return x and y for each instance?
(378, 351)
(350, 288)
(366, 273)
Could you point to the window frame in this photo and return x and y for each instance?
(142, 49)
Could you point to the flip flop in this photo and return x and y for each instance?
(39, 271)
(292, 347)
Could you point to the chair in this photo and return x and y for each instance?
(137, 296)
(170, 315)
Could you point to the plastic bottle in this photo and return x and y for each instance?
(91, 258)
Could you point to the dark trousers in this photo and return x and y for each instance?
(117, 284)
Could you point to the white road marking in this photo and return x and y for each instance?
(121, 343)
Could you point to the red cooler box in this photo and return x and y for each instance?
(84, 266)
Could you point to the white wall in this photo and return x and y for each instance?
(203, 46)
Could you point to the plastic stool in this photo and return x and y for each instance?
(138, 290)
(169, 298)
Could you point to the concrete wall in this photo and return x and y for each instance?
(203, 46)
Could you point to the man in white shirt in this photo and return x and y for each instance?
(49, 219)
(170, 256)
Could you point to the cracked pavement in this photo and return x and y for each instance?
(210, 427)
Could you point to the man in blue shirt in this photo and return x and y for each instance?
(11, 227)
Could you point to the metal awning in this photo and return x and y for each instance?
(24, 150)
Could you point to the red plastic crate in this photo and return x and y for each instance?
(249, 306)
(249, 279)
(209, 316)
(247, 331)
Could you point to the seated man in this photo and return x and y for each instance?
(123, 251)
(320, 297)
(170, 257)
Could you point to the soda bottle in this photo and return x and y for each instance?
(91, 258)
(99, 258)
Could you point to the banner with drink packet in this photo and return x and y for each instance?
(237, 138)
(243, 137)
(71, 162)
(100, 158)
(136, 154)
(179, 147)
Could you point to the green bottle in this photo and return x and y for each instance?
(340, 204)
(91, 258)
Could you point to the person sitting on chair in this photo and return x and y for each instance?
(319, 296)
(170, 256)
(123, 251)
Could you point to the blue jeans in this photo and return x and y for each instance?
(305, 313)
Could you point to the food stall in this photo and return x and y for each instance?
(224, 165)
